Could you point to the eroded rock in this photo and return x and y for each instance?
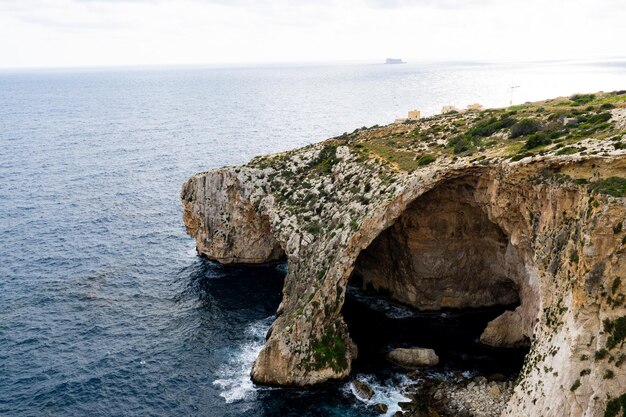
(362, 389)
(541, 228)
(413, 357)
(506, 330)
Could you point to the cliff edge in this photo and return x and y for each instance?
(525, 204)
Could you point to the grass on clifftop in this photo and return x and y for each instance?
(566, 127)
(556, 126)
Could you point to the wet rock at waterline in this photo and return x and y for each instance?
(473, 398)
(362, 389)
(445, 212)
(505, 331)
(415, 357)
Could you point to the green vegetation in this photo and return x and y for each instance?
(313, 228)
(535, 140)
(462, 145)
(614, 406)
(568, 150)
(616, 330)
(525, 127)
(426, 159)
(575, 385)
(330, 351)
(614, 186)
(600, 354)
(326, 159)
(581, 99)
(490, 126)
(594, 119)
(391, 152)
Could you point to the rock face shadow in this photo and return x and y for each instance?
(444, 252)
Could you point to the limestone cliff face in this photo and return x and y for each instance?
(497, 221)
(217, 211)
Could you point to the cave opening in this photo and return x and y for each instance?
(435, 279)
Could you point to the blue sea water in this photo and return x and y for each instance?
(105, 309)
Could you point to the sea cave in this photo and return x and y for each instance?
(436, 278)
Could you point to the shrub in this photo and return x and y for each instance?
(313, 228)
(535, 140)
(490, 126)
(326, 159)
(568, 150)
(426, 159)
(614, 186)
(616, 330)
(581, 99)
(462, 145)
(525, 127)
(599, 118)
(614, 406)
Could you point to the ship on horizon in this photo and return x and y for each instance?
(394, 61)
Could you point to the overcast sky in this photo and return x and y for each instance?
(68, 33)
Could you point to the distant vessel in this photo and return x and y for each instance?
(394, 61)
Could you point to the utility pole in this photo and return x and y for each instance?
(513, 87)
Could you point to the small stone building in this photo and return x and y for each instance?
(414, 114)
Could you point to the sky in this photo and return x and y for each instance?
(77, 33)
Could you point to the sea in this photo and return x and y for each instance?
(105, 307)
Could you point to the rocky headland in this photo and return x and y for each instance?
(522, 205)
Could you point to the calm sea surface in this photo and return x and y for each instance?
(105, 309)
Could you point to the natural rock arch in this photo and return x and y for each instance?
(443, 251)
(562, 251)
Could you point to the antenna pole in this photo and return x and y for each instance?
(513, 87)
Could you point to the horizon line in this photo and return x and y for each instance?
(364, 61)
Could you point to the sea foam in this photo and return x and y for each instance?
(234, 375)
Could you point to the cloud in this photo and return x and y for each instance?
(117, 32)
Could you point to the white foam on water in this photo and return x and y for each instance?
(191, 251)
(390, 392)
(234, 375)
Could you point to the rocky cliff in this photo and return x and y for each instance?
(525, 204)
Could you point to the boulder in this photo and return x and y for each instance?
(413, 357)
(506, 330)
(362, 390)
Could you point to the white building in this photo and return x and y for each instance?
(448, 108)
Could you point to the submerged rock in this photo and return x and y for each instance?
(413, 357)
